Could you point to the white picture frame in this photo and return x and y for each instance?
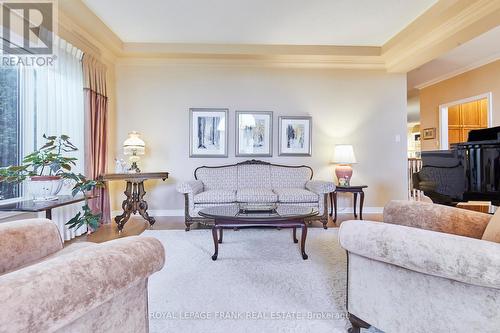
(208, 132)
(254, 133)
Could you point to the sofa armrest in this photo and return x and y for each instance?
(458, 258)
(320, 186)
(191, 187)
(434, 217)
(51, 294)
(26, 241)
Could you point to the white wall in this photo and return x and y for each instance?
(363, 108)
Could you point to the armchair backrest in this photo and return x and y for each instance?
(27, 241)
(434, 217)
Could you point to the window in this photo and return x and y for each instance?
(37, 100)
(9, 126)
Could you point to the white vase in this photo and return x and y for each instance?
(44, 188)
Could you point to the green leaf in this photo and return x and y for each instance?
(17, 168)
(47, 145)
(75, 191)
(73, 221)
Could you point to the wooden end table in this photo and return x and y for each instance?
(354, 189)
(134, 191)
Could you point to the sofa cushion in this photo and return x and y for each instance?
(223, 178)
(254, 176)
(289, 177)
(257, 195)
(215, 196)
(492, 231)
(295, 195)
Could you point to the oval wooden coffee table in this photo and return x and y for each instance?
(232, 216)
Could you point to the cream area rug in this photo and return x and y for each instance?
(259, 283)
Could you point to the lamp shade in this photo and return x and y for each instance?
(134, 145)
(344, 154)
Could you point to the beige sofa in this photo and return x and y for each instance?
(425, 269)
(254, 182)
(84, 287)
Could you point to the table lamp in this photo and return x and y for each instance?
(134, 146)
(344, 157)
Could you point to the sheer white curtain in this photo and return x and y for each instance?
(52, 103)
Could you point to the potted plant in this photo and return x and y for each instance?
(45, 170)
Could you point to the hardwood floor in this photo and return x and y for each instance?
(136, 226)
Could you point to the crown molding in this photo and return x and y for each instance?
(294, 56)
(167, 49)
(458, 72)
(81, 27)
(441, 28)
(444, 26)
(348, 63)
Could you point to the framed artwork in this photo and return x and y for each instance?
(429, 133)
(295, 136)
(254, 133)
(208, 134)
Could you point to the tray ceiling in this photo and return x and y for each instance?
(294, 22)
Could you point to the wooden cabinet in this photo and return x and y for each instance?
(466, 117)
(454, 135)
(454, 115)
(469, 113)
(483, 110)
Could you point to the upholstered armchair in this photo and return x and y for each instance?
(425, 269)
(83, 287)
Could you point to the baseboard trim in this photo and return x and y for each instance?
(366, 210)
(157, 212)
(180, 212)
(373, 210)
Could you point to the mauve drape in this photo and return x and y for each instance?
(96, 124)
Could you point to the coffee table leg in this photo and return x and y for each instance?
(220, 236)
(216, 242)
(295, 240)
(303, 241)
